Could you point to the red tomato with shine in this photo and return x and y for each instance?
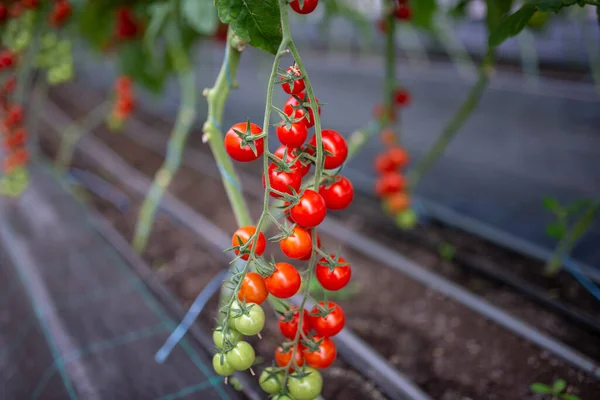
(383, 163)
(298, 85)
(324, 356)
(253, 289)
(333, 143)
(390, 182)
(310, 211)
(298, 245)
(402, 97)
(243, 234)
(334, 279)
(286, 182)
(284, 282)
(283, 358)
(339, 194)
(292, 109)
(398, 157)
(293, 137)
(309, 6)
(288, 323)
(329, 325)
(291, 155)
(233, 143)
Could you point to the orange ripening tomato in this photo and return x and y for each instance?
(253, 289)
(388, 183)
(397, 202)
(398, 157)
(242, 235)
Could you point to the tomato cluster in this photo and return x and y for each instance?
(124, 100)
(14, 134)
(16, 8)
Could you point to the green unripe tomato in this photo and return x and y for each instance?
(241, 357)
(270, 380)
(222, 368)
(251, 323)
(407, 219)
(282, 397)
(232, 336)
(305, 388)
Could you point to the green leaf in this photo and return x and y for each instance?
(137, 62)
(568, 396)
(558, 386)
(511, 25)
(556, 230)
(551, 204)
(423, 12)
(496, 9)
(257, 21)
(460, 9)
(540, 388)
(201, 15)
(159, 14)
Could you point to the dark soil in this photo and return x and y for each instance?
(450, 351)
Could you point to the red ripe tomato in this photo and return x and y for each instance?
(10, 84)
(3, 12)
(15, 140)
(402, 97)
(298, 83)
(336, 278)
(253, 289)
(286, 182)
(339, 194)
(60, 12)
(388, 183)
(398, 157)
(127, 26)
(123, 84)
(309, 6)
(307, 257)
(397, 202)
(383, 163)
(310, 211)
(324, 356)
(291, 154)
(233, 143)
(403, 13)
(292, 109)
(283, 358)
(288, 323)
(293, 137)
(298, 244)
(7, 59)
(284, 282)
(243, 234)
(333, 143)
(329, 325)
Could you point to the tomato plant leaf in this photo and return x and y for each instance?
(137, 62)
(423, 12)
(551, 204)
(460, 9)
(568, 396)
(511, 25)
(558, 386)
(256, 21)
(556, 230)
(496, 9)
(200, 15)
(540, 388)
(159, 14)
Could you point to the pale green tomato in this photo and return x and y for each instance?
(241, 357)
(251, 323)
(222, 368)
(306, 388)
(407, 219)
(232, 335)
(270, 381)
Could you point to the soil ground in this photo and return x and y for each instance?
(448, 350)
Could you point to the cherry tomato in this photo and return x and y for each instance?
(232, 337)
(333, 143)
(398, 157)
(307, 257)
(288, 323)
(292, 108)
(298, 244)
(402, 97)
(286, 182)
(388, 137)
(388, 183)
(270, 380)
(284, 282)
(251, 322)
(298, 83)
(329, 325)
(283, 358)
(306, 387)
(233, 143)
(241, 357)
(397, 202)
(242, 235)
(310, 211)
(324, 356)
(309, 6)
(253, 289)
(301, 168)
(383, 163)
(403, 13)
(222, 367)
(60, 12)
(407, 219)
(293, 137)
(15, 114)
(333, 279)
(339, 194)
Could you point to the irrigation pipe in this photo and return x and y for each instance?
(398, 262)
(396, 385)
